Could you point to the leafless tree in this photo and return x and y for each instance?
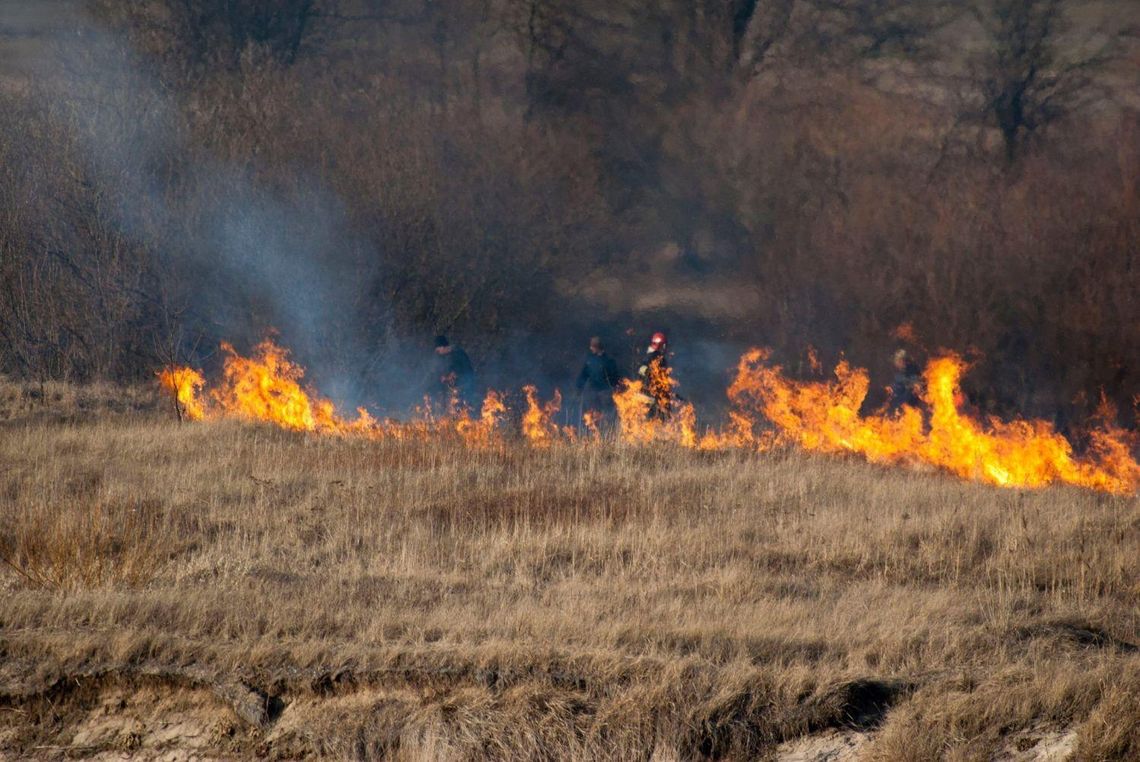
(209, 32)
(1023, 83)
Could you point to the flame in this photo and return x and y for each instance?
(633, 406)
(1019, 453)
(649, 410)
(824, 416)
(768, 410)
(813, 361)
(185, 384)
(738, 434)
(267, 387)
(538, 424)
(592, 420)
(905, 332)
(483, 431)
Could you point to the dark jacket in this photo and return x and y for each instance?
(903, 386)
(454, 372)
(599, 374)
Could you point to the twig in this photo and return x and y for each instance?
(23, 573)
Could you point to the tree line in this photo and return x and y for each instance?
(363, 174)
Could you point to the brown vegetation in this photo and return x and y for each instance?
(241, 590)
(361, 175)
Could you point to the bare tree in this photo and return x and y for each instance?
(1023, 83)
(871, 28)
(208, 31)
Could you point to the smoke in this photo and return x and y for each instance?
(247, 257)
(251, 253)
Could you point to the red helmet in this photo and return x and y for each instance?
(657, 341)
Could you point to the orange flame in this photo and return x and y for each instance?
(649, 411)
(538, 424)
(769, 409)
(824, 416)
(267, 387)
(905, 332)
(633, 406)
(483, 431)
(185, 384)
(592, 420)
(813, 361)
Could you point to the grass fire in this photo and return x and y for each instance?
(480, 380)
(769, 410)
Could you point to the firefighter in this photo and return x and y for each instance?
(597, 381)
(453, 375)
(904, 387)
(654, 372)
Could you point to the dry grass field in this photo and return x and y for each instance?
(218, 591)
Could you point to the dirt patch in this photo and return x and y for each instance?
(140, 714)
(1040, 744)
(124, 721)
(834, 746)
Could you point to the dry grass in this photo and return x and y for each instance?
(355, 599)
(27, 402)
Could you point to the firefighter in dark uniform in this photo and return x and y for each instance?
(597, 381)
(453, 375)
(904, 387)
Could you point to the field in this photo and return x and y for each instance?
(222, 590)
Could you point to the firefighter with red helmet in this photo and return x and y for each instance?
(654, 372)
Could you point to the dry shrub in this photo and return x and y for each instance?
(1112, 731)
(22, 402)
(85, 541)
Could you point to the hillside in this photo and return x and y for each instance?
(219, 589)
